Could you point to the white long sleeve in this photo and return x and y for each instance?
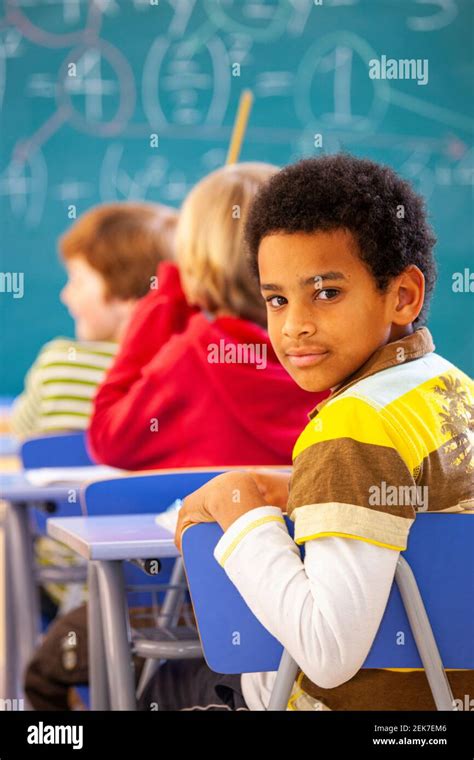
(325, 611)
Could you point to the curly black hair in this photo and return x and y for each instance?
(382, 211)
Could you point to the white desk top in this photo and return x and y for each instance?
(114, 537)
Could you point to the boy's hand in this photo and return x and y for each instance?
(273, 486)
(222, 500)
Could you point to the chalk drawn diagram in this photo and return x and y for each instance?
(25, 182)
(264, 21)
(118, 182)
(70, 190)
(178, 69)
(270, 84)
(85, 17)
(445, 12)
(2, 74)
(86, 84)
(10, 47)
(182, 89)
(337, 59)
(99, 96)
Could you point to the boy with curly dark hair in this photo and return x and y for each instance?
(344, 256)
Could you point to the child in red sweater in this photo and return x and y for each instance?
(196, 381)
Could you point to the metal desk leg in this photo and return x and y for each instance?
(116, 635)
(169, 616)
(23, 591)
(10, 687)
(99, 689)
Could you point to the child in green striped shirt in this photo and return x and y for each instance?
(111, 254)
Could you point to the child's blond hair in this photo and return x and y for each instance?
(210, 246)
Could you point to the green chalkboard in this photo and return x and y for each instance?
(77, 135)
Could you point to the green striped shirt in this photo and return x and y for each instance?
(61, 385)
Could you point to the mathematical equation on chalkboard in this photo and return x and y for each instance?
(143, 78)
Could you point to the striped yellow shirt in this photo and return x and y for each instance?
(394, 439)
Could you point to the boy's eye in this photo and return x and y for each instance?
(276, 301)
(327, 294)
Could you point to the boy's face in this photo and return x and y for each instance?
(96, 316)
(325, 314)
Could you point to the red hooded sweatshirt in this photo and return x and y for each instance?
(189, 390)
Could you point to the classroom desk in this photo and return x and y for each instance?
(22, 614)
(9, 454)
(106, 542)
(9, 449)
(17, 488)
(114, 537)
(9, 445)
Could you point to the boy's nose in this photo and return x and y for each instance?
(298, 324)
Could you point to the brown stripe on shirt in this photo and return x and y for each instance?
(317, 478)
(375, 689)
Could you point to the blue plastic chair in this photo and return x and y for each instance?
(434, 611)
(58, 450)
(127, 495)
(55, 450)
(24, 520)
(151, 493)
(144, 493)
(139, 494)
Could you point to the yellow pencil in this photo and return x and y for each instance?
(245, 104)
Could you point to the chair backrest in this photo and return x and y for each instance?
(58, 450)
(439, 553)
(141, 493)
(62, 450)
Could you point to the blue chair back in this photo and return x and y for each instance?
(142, 494)
(439, 553)
(58, 450)
(62, 450)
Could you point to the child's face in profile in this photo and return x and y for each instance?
(96, 316)
(325, 314)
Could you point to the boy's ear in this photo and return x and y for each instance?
(408, 295)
